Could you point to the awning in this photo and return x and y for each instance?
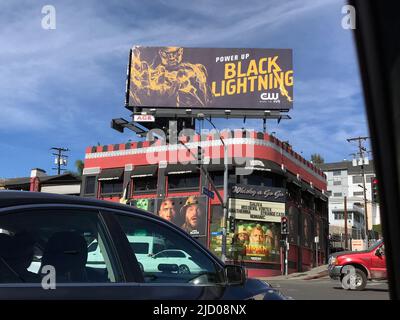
(144, 171)
(293, 179)
(262, 165)
(211, 167)
(111, 174)
(181, 168)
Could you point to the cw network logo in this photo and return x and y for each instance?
(270, 97)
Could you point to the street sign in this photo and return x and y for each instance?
(143, 118)
(216, 233)
(208, 193)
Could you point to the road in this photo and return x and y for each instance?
(327, 289)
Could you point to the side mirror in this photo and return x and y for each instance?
(234, 275)
(378, 252)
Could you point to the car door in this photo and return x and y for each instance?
(168, 279)
(378, 263)
(44, 254)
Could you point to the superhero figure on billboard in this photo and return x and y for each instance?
(180, 84)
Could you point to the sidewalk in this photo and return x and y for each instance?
(316, 273)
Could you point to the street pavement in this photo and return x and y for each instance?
(326, 289)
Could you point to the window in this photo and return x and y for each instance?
(111, 187)
(257, 179)
(158, 244)
(183, 181)
(357, 179)
(73, 242)
(369, 177)
(337, 183)
(337, 194)
(339, 216)
(358, 193)
(145, 184)
(337, 173)
(90, 185)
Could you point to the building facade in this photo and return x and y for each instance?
(345, 180)
(267, 180)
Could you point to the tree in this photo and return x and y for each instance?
(317, 159)
(79, 166)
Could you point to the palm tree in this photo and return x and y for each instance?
(79, 167)
(317, 159)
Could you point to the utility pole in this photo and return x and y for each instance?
(61, 159)
(361, 151)
(225, 199)
(346, 243)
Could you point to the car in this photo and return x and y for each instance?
(181, 258)
(85, 249)
(366, 265)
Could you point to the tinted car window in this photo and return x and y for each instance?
(193, 266)
(73, 242)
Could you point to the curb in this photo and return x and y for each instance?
(317, 276)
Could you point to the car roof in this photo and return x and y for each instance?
(10, 198)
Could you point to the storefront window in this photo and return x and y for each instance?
(183, 181)
(145, 184)
(111, 187)
(90, 185)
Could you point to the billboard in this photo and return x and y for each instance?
(188, 213)
(210, 78)
(255, 241)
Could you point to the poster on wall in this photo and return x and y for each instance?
(293, 215)
(188, 213)
(307, 230)
(255, 241)
(214, 78)
(144, 204)
(216, 225)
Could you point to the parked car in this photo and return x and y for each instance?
(369, 264)
(89, 245)
(181, 258)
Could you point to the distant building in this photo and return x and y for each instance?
(345, 180)
(66, 183)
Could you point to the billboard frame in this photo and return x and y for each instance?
(175, 112)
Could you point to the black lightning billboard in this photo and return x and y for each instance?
(212, 78)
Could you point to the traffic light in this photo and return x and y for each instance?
(284, 225)
(232, 224)
(199, 155)
(374, 188)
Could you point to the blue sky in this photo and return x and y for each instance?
(62, 87)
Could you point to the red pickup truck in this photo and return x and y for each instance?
(369, 264)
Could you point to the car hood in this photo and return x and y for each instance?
(342, 253)
(254, 289)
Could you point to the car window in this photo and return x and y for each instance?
(194, 266)
(72, 242)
